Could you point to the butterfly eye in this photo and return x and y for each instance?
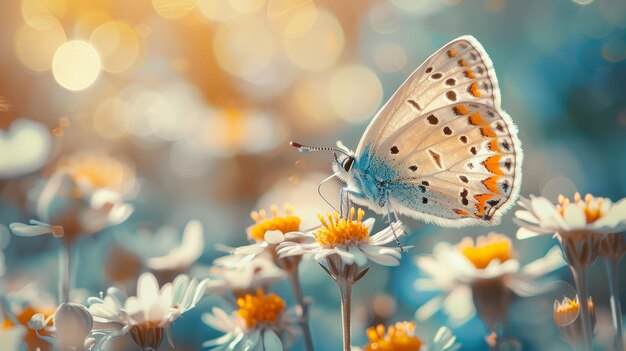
(348, 164)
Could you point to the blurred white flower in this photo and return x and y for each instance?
(467, 271)
(593, 214)
(259, 273)
(148, 315)
(349, 239)
(257, 324)
(181, 257)
(68, 209)
(401, 337)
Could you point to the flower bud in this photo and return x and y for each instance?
(73, 323)
(566, 317)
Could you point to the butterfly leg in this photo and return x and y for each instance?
(346, 202)
(392, 217)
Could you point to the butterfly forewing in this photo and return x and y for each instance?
(463, 168)
(461, 71)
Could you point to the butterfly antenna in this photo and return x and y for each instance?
(393, 230)
(305, 148)
(319, 191)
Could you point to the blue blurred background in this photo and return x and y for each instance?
(199, 99)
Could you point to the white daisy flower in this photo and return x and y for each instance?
(471, 271)
(256, 325)
(349, 239)
(148, 315)
(68, 209)
(259, 273)
(593, 214)
(267, 232)
(401, 337)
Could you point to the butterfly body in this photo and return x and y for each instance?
(441, 149)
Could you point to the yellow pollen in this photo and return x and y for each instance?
(337, 231)
(99, 171)
(399, 337)
(284, 222)
(487, 248)
(260, 308)
(594, 208)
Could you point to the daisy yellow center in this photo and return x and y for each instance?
(398, 337)
(260, 308)
(487, 249)
(31, 339)
(97, 170)
(283, 222)
(337, 231)
(593, 207)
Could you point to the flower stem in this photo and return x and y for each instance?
(303, 319)
(580, 278)
(346, 299)
(616, 309)
(65, 272)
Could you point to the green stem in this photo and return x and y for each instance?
(303, 320)
(616, 309)
(346, 299)
(580, 278)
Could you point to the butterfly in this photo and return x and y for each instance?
(441, 149)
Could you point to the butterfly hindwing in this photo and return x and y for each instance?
(461, 71)
(463, 169)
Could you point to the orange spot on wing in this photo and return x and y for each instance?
(480, 206)
(460, 212)
(451, 53)
(473, 89)
(492, 164)
(486, 131)
(491, 183)
(460, 110)
(494, 146)
(469, 74)
(475, 119)
(462, 63)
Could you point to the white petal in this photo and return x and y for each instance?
(526, 216)
(548, 263)
(274, 237)
(523, 233)
(359, 257)
(369, 224)
(574, 216)
(615, 218)
(429, 308)
(271, 341)
(190, 249)
(459, 305)
(22, 229)
(147, 289)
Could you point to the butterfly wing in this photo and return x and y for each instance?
(460, 71)
(466, 168)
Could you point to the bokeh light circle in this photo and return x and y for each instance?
(247, 6)
(117, 44)
(355, 93)
(217, 10)
(173, 9)
(35, 47)
(320, 47)
(39, 13)
(291, 18)
(390, 57)
(244, 48)
(76, 65)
